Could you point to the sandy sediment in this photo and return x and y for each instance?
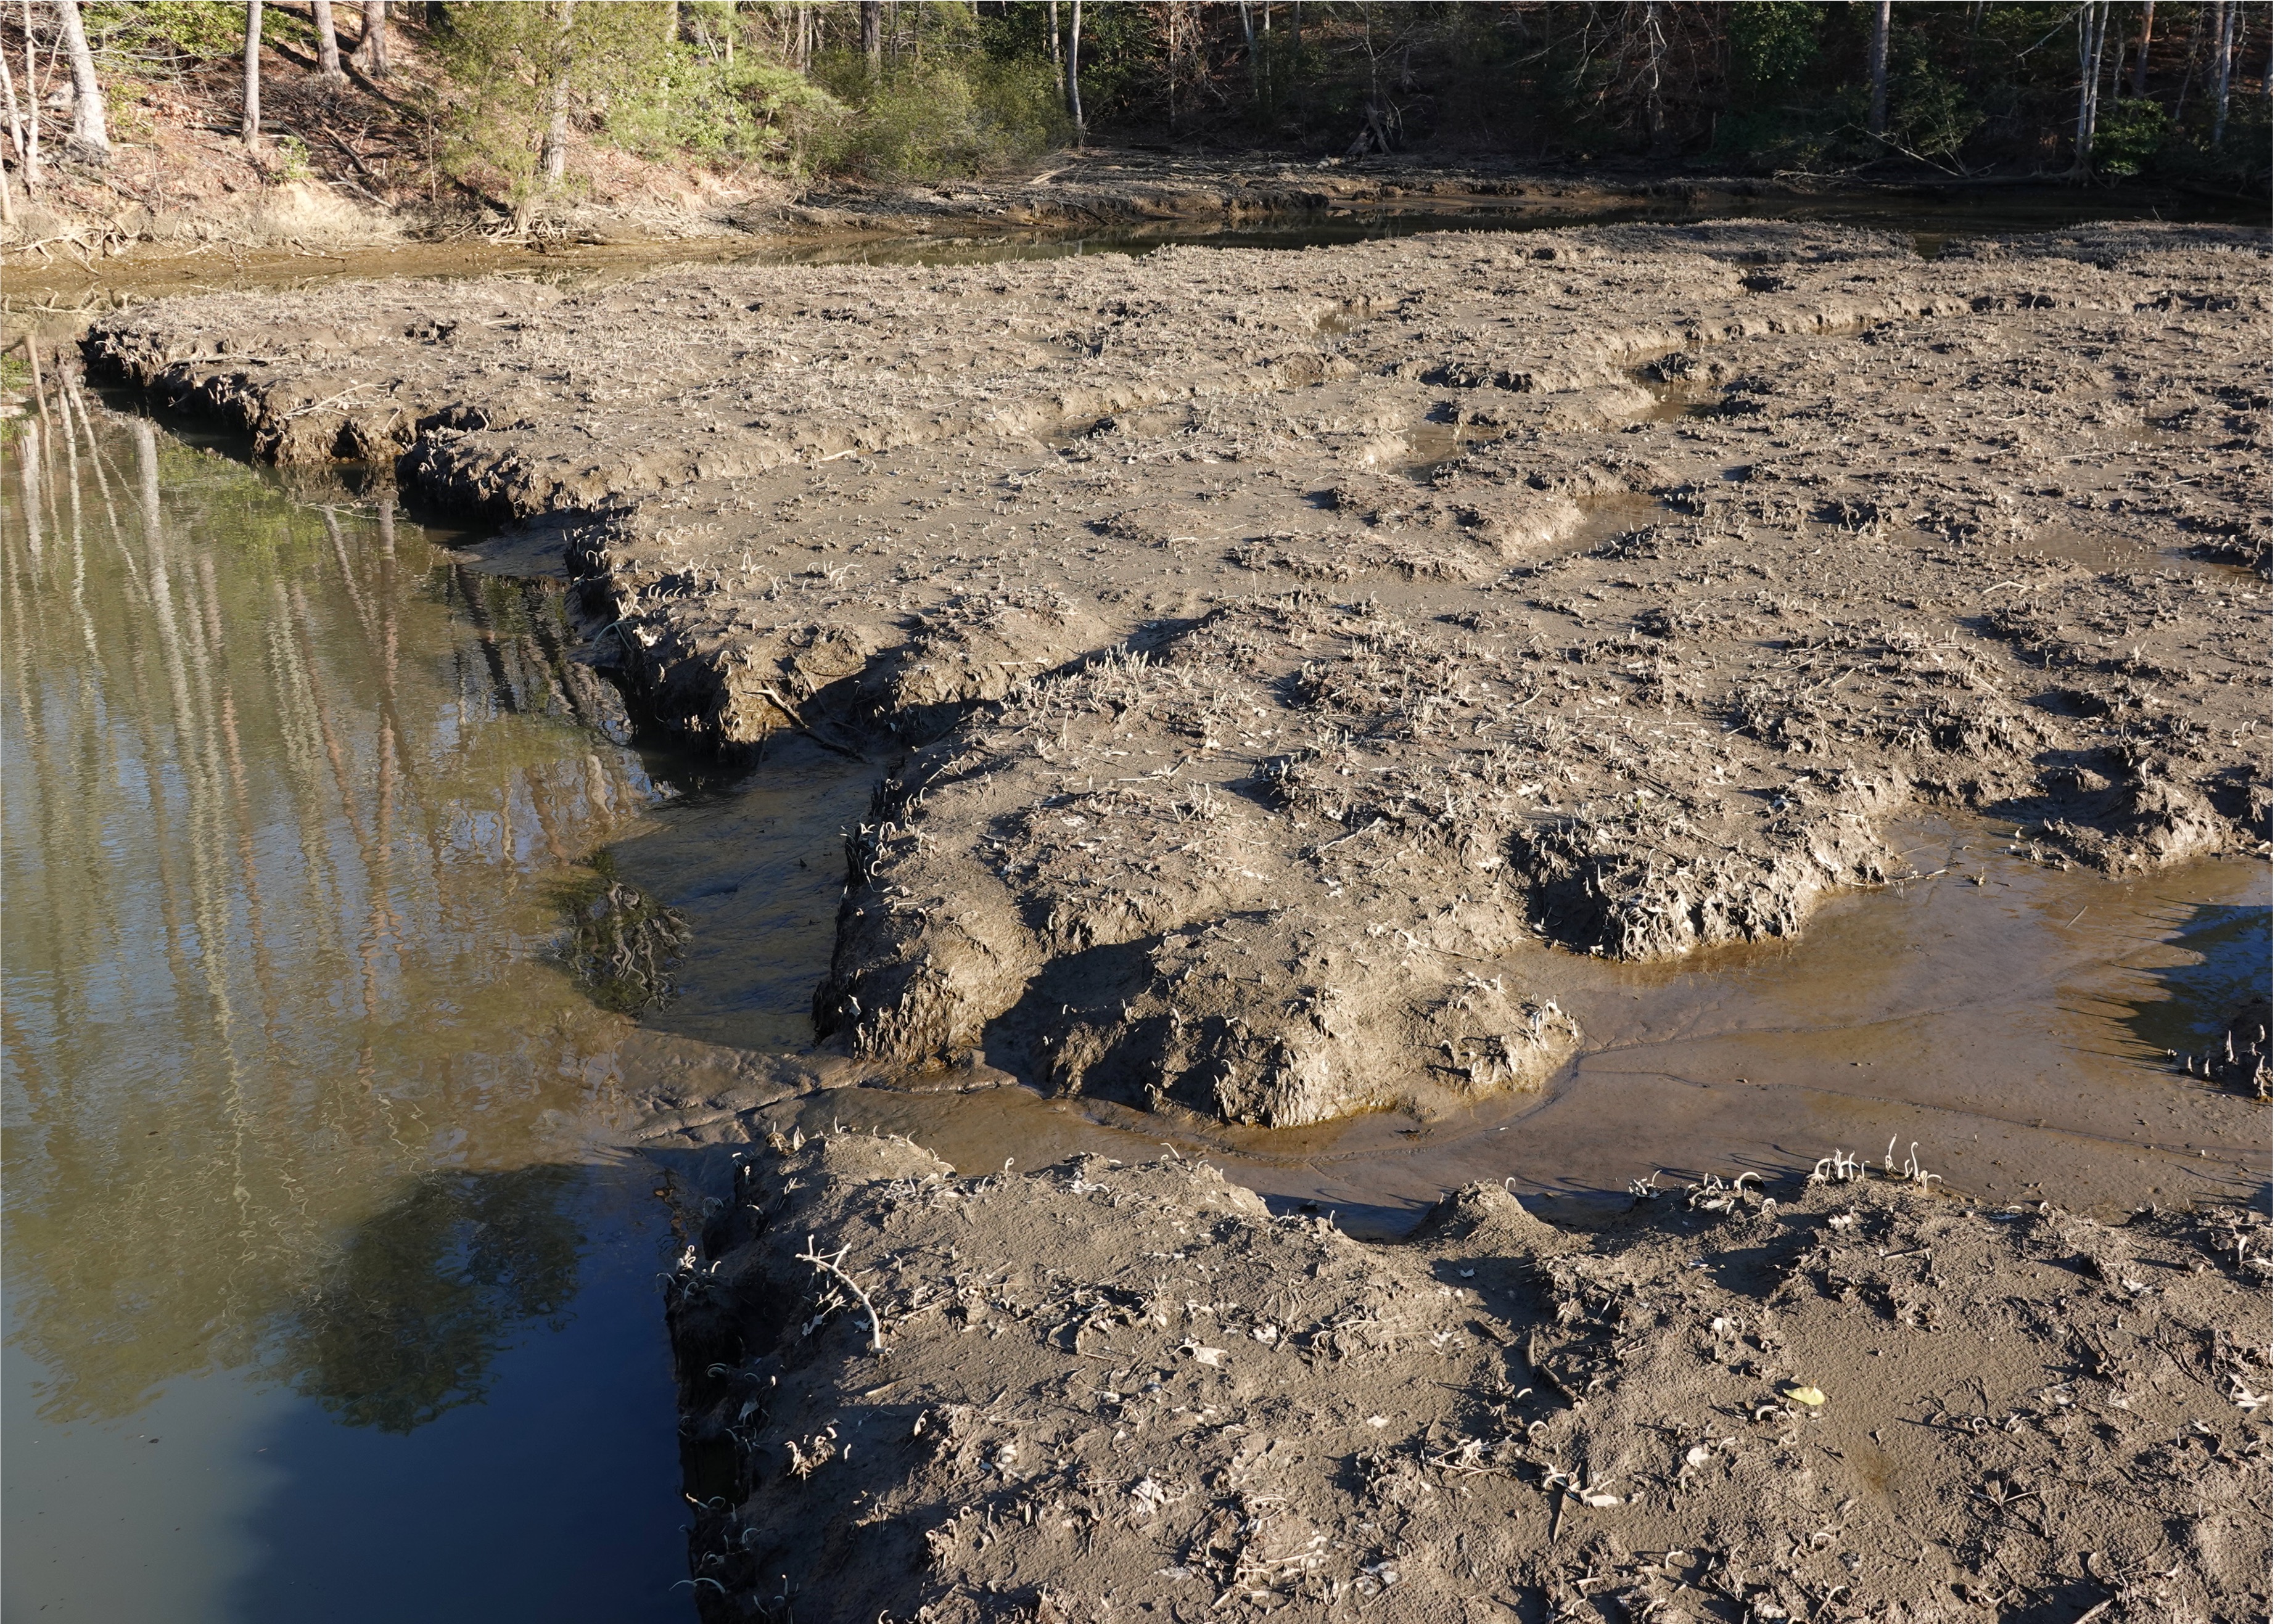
(1102, 1390)
(1263, 645)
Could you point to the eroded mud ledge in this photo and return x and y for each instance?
(1278, 641)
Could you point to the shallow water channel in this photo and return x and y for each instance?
(332, 1291)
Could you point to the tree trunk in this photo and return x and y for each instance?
(1878, 123)
(328, 45)
(1074, 77)
(252, 124)
(2223, 61)
(90, 132)
(2141, 62)
(1248, 32)
(7, 199)
(1654, 120)
(1058, 58)
(2092, 27)
(15, 116)
(554, 156)
(1172, 55)
(32, 97)
(371, 51)
(873, 37)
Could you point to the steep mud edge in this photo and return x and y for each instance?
(1130, 1392)
(1266, 643)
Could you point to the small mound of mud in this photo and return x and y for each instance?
(1102, 1389)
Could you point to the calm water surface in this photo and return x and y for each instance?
(320, 1301)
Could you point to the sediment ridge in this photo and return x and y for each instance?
(1265, 646)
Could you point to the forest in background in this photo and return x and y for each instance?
(513, 106)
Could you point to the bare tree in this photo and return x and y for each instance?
(371, 51)
(873, 36)
(1655, 59)
(1074, 77)
(1248, 36)
(16, 134)
(2141, 61)
(328, 44)
(553, 158)
(1878, 123)
(2222, 64)
(90, 132)
(252, 129)
(32, 97)
(2092, 35)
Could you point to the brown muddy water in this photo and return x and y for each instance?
(331, 1291)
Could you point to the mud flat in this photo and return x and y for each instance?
(1105, 1391)
(1291, 670)
(1267, 645)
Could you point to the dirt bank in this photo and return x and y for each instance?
(1100, 1391)
(1268, 644)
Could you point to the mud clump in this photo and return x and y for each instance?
(1270, 653)
(1101, 1388)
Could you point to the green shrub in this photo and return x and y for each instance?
(754, 109)
(166, 36)
(630, 83)
(2128, 136)
(1929, 112)
(925, 122)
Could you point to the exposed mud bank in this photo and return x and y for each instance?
(1267, 643)
(1101, 1391)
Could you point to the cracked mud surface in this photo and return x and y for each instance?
(1111, 1391)
(1272, 647)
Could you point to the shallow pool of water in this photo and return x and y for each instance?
(324, 1296)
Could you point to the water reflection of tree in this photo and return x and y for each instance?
(408, 1319)
(278, 851)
